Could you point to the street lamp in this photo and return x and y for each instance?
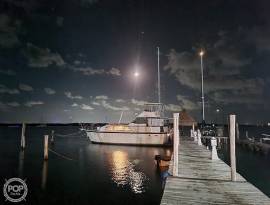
(203, 116)
(217, 111)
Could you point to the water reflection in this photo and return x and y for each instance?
(21, 163)
(44, 174)
(123, 172)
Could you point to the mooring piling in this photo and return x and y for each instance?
(23, 136)
(214, 155)
(46, 146)
(175, 143)
(232, 147)
(199, 137)
(52, 137)
(44, 174)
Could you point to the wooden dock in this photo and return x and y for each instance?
(201, 180)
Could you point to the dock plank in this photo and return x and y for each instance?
(205, 181)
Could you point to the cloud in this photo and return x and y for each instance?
(33, 103)
(226, 66)
(138, 102)
(186, 103)
(86, 107)
(91, 71)
(27, 6)
(88, 3)
(3, 107)
(77, 62)
(69, 95)
(7, 72)
(120, 101)
(8, 31)
(42, 57)
(12, 91)
(114, 71)
(74, 105)
(102, 97)
(173, 108)
(59, 21)
(49, 91)
(237, 97)
(108, 106)
(13, 104)
(96, 103)
(25, 87)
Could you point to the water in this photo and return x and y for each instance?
(81, 172)
(254, 167)
(85, 173)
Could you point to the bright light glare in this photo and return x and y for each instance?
(201, 53)
(136, 74)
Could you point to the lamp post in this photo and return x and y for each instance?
(203, 115)
(217, 111)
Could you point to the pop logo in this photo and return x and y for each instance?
(15, 190)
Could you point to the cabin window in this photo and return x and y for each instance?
(140, 120)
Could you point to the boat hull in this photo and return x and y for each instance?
(152, 139)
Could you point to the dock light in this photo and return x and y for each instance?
(201, 53)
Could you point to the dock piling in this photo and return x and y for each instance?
(175, 143)
(23, 136)
(199, 137)
(214, 155)
(232, 147)
(246, 134)
(46, 146)
(195, 134)
(52, 137)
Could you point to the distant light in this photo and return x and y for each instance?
(217, 110)
(136, 74)
(201, 53)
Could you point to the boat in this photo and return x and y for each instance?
(162, 161)
(148, 128)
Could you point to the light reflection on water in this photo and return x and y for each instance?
(123, 172)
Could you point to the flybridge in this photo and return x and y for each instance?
(157, 108)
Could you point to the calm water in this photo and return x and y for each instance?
(255, 167)
(84, 173)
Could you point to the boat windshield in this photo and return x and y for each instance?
(140, 120)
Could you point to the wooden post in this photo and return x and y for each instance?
(232, 147)
(195, 136)
(52, 137)
(44, 175)
(214, 155)
(175, 143)
(199, 137)
(23, 136)
(46, 146)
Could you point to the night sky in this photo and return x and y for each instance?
(74, 60)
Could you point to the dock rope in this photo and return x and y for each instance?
(61, 155)
(69, 135)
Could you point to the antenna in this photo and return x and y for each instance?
(121, 117)
(158, 77)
